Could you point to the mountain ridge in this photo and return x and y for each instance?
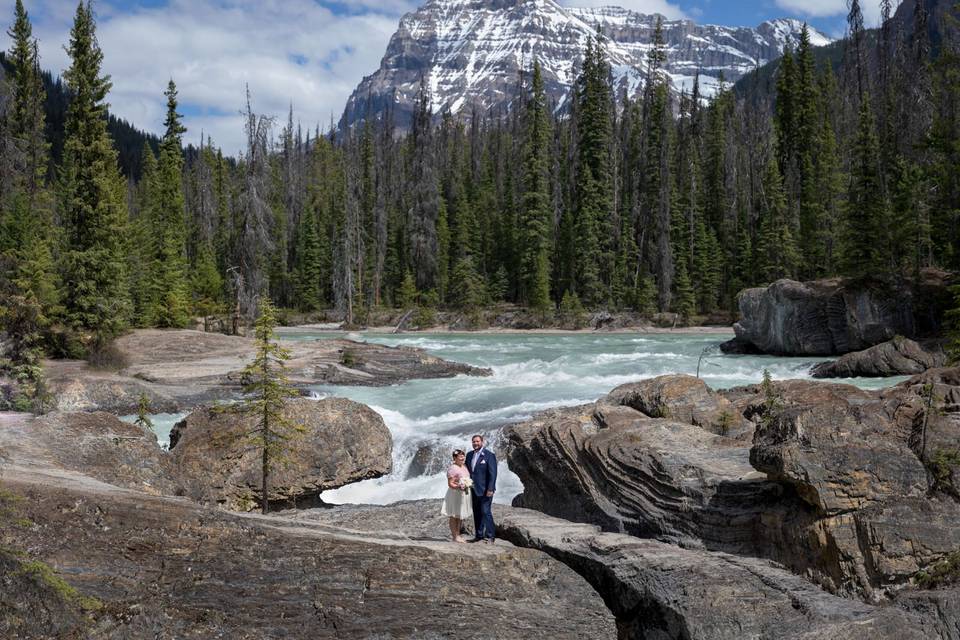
(470, 53)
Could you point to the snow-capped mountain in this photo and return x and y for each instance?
(472, 52)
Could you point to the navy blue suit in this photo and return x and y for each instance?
(484, 476)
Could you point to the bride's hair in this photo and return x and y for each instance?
(457, 452)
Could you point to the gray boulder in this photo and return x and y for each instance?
(836, 316)
(684, 399)
(897, 357)
(343, 442)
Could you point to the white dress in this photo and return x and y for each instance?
(457, 503)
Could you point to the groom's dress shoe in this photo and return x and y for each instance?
(472, 540)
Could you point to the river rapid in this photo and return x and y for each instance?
(531, 372)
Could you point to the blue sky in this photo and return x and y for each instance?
(311, 53)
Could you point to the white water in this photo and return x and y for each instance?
(531, 372)
(162, 424)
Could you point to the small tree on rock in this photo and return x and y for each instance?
(267, 389)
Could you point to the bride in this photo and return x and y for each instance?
(456, 504)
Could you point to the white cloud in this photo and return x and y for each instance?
(298, 51)
(827, 8)
(662, 7)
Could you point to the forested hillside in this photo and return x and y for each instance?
(127, 139)
(653, 203)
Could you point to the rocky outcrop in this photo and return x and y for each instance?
(98, 445)
(833, 487)
(839, 457)
(164, 567)
(359, 363)
(34, 602)
(342, 442)
(658, 590)
(429, 459)
(897, 357)
(651, 477)
(852, 456)
(836, 316)
(927, 407)
(684, 399)
(941, 607)
(180, 369)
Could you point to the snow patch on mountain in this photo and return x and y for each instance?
(473, 53)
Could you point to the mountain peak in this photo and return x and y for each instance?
(470, 53)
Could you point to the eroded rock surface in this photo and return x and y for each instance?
(658, 590)
(837, 490)
(166, 568)
(98, 445)
(897, 357)
(652, 477)
(684, 399)
(343, 442)
(836, 316)
(179, 369)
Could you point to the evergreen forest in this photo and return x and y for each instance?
(817, 166)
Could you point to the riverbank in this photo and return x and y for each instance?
(179, 369)
(446, 329)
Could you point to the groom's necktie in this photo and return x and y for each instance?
(473, 463)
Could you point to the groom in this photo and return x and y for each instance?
(483, 471)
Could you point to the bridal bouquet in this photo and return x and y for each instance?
(466, 484)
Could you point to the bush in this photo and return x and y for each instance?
(940, 574)
(348, 358)
(571, 311)
(105, 355)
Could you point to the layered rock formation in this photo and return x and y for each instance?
(342, 442)
(612, 465)
(836, 316)
(836, 486)
(897, 357)
(97, 445)
(659, 590)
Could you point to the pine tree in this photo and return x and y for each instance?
(266, 392)
(808, 148)
(92, 194)
(425, 203)
(776, 252)
(684, 296)
(309, 266)
(866, 240)
(407, 295)
(26, 217)
(168, 297)
(594, 206)
(535, 219)
(443, 251)
(142, 237)
(658, 189)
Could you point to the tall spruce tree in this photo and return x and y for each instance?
(26, 205)
(92, 195)
(535, 222)
(168, 291)
(594, 206)
(866, 249)
(657, 187)
(267, 390)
